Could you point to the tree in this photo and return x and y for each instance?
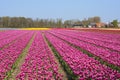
(68, 23)
(115, 23)
(97, 19)
(85, 22)
(29, 22)
(5, 21)
(1, 25)
(90, 20)
(59, 23)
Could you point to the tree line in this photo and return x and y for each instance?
(22, 22)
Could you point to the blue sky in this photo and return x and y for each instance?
(64, 9)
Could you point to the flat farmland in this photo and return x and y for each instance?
(103, 30)
(60, 54)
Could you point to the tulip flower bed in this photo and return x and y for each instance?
(84, 55)
(66, 67)
(82, 65)
(9, 55)
(7, 34)
(14, 36)
(98, 40)
(107, 55)
(39, 63)
(95, 35)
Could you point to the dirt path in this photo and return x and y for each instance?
(61, 70)
(21, 59)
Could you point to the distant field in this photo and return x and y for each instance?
(35, 28)
(104, 30)
(24, 29)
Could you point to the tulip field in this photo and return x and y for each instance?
(59, 54)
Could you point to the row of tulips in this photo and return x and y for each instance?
(93, 40)
(7, 34)
(112, 38)
(12, 38)
(9, 55)
(104, 53)
(40, 63)
(81, 64)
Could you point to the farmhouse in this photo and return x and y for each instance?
(96, 25)
(92, 25)
(99, 25)
(77, 25)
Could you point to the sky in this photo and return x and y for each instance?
(108, 10)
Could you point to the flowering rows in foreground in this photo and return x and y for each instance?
(107, 55)
(9, 55)
(39, 63)
(82, 65)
